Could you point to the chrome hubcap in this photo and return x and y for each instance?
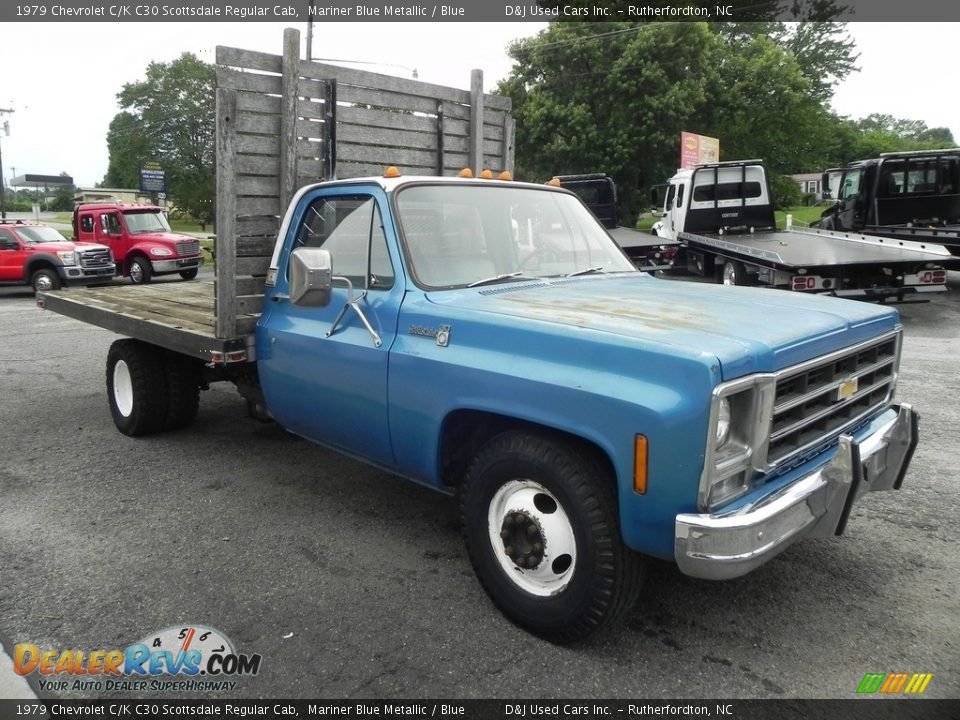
(43, 283)
(532, 537)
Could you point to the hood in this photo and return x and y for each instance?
(66, 246)
(166, 238)
(747, 329)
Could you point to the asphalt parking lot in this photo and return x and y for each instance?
(352, 584)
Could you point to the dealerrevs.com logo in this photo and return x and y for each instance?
(185, 658)
(894, 683)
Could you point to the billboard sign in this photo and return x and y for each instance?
(697, 150)
(152, 179)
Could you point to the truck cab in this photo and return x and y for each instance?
(141, 240)
(897, 190)
(39, 256)
(711, 197)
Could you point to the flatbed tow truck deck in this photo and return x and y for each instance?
(178, 316)
(818, 248)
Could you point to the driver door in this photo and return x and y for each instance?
(324, 376)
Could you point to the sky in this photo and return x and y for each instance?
(61, 79)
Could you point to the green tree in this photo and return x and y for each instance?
(63, 196)
(614, 97)
(130, 147)
(168, 118)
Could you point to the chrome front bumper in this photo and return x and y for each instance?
(724, 546)
(169, 266)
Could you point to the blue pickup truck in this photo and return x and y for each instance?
(488, 339)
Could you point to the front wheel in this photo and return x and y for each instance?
(45, 279)
(541, 525)
(140, 271)
(189, 274)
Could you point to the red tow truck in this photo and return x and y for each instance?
(141, 240)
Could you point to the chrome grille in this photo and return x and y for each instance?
(826, 397)
(188, 247)
(95, 258)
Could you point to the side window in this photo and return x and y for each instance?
(346, 226)
(86, 223)
(851, 184)
(110, 224)
(8, 241)
(680, 196)
(671, 194)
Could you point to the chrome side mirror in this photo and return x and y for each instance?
(311, 277)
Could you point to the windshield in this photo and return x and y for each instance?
(145, 222)
(40, 234)
(459, 235)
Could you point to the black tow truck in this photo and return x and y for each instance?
(599, 193)
(722, 215)
(911, 196)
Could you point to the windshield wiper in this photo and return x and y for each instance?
(498, 278)
(585, 271)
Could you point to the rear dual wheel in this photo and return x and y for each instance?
(735, 273)
(150, 389)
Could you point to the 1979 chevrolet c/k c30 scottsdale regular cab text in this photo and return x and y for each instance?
(488, 338)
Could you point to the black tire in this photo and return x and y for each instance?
(137, 387)
(139, 270)
(570, 500)
(189, 274)
(734, 273)
(45, 279)
(183, 390)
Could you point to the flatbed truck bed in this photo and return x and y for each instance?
(646, 250)
(795, 248)
(842, 264)
(178, 316)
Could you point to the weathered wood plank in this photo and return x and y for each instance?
(247, 82)
(254, 226)
(255, 206)
(248, 59)
(379, 118)
(227, 206)
(289, 124)
(255, 185)
(256, 246)
(252, 265)
(258, 123)
(383, 136)
(310, 109)
(249, 286)
(258, 102)
(347, 152)
(250, 304)
(247, 324)
(257, 165)
(364, 78)
(394, 101)
(258, 145)
(476, 120)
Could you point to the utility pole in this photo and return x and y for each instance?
(6, 131)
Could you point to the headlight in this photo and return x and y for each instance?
(161, 251)
(739, 430)
(723, 423)
(67, 257)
